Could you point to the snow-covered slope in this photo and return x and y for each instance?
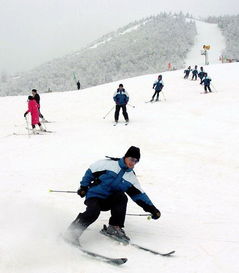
(207, 34)
(189, 168)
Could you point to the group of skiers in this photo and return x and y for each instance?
(121, 98)
(106, 181)
(203, 76)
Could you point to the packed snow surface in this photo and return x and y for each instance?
(189, 168)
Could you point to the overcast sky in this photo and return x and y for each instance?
(35, 31)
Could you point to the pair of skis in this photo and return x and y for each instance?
(38, 133)
(126, 123)
(118, 261)
(152, 101)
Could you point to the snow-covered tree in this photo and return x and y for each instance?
(141, 47)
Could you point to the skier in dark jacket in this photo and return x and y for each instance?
(78, 85)
(121, 98)
(104, 186)
(201, 74)
(195, 73)
(157, 86)
(36, 97)
(207, 81)
(187, 72)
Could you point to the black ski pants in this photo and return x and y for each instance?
(207, 87)
(186, 75)
(200, 79)
(33, 125)
(156, 93)
(116, 203)
(194, 77)
(40, 114)
(117, 110)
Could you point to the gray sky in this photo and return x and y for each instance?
(35, 31)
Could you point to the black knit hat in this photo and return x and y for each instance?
(133, 152)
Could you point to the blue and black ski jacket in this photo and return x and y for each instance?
(201, 74)
(121, 97)
(206, 81)
(158, 85)
(108, 176)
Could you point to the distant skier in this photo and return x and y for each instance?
(78, 85)
(187, 72)
(157, 86)
(33, 108)
(201, 74)
(207, 81)
(104, 185)
(36, 97)
(195, 73)
(121, 98)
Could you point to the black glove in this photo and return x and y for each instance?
(82, 191)
(25, 114)
(155, 213)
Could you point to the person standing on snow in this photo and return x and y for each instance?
(201, 74)
(195, 73)
(207, 81)
(104, 185)
(78, 85)
(121, 98)
(157, 86)
(36, 97)
(187, 72)
(33, 108)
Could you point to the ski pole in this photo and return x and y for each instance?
(163, 95)
(138, 214)
(133, 106)
(28, 130)
(44, 125)
(214, 88)
(63, 191)
(149, 216)
(108, 112)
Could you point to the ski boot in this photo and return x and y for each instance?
(116, 233)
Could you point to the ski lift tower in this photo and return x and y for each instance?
(205, 53)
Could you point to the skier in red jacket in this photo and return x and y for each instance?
(33, 109)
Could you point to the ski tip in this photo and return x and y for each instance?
(169, 253)
(118, 261)
(124, 260)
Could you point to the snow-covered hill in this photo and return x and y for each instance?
(142, 47)
(189, 168)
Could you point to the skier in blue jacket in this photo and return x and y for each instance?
(187, 72)
(195, 73)
(104, 186)
(157, 86)
(206, 81)
(121, 98)
(201, 74)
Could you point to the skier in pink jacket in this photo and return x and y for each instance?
(33, 109)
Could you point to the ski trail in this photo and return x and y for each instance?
(208, 34)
